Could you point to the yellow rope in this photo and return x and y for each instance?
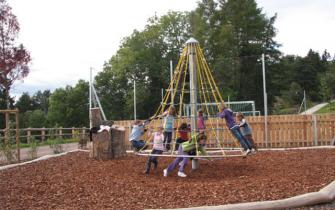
(204, 97)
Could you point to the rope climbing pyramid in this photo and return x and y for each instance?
(192, 90)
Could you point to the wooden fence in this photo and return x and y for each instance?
(43, 134)
(283, 130)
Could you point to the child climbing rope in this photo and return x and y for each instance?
(201, 122)
(158, 148)
(245, 129)
(196, 143)
(234, 128)
(136, 135)
(182, 134)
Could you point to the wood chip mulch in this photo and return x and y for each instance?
(75, 181)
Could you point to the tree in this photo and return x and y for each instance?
(14, 59)
(235, 34)
(41, 99)
(68, 106)
(144, 57)
(25, 103)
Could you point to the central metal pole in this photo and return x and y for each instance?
(265, 103)
(191, 44)
(90, 98)
(171, 78)
(305, 101)
(135, 100)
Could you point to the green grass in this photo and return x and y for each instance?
(329, 108)
(50, 142)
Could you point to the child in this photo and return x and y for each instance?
(182, 134)
(158, 147)
(168, 126)
(136, 135)
(197, 142)
(201, 122)
(245, 129)
(234, 128)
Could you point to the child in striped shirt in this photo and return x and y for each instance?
(246, 129)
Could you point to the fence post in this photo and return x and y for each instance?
(17, 135)
(60, 132)
(43, 134)
(28, 135)
(72, 132)
(315, 129)
(7, 127)
(83, 133)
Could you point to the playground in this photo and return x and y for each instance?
(75, 181)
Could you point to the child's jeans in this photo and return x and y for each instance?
(138, 144)
(153, 159)
(237, 133)
(183, 161)
(167, 139)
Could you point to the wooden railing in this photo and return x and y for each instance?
(43, 134)
(283, 130)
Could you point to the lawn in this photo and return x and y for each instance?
(329, 108)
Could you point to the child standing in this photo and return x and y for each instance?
(158, 148)
(197, 142)
(136, 135)
(182, 134)
(234, 128)
(245, 129)
(168, 126)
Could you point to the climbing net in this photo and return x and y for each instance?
(193, 65)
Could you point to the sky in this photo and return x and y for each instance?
(67, 37)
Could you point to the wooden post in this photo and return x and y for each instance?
(43, 134)
(28, 135)
(72, 132)
(17, 135)
(96, 117)
(7, 127)
(61, 132)
(83, 133)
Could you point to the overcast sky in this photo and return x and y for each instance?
(67, 37)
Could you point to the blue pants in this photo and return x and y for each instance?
(167, 139)
(153, 159)
(183, 161)
(238, 135)
(138, 144)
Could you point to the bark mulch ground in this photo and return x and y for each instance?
(75, 181)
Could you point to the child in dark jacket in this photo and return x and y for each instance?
(182, 134)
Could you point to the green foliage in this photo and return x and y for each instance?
(68, 106)
(55, 143)
(329, 108)
(8, 145)
(33, 146)
(144, 56)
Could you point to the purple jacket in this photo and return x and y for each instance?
(228, 115)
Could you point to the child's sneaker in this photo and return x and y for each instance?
(165, 172)
(181, 174)
(247, 152)
(253, 150)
